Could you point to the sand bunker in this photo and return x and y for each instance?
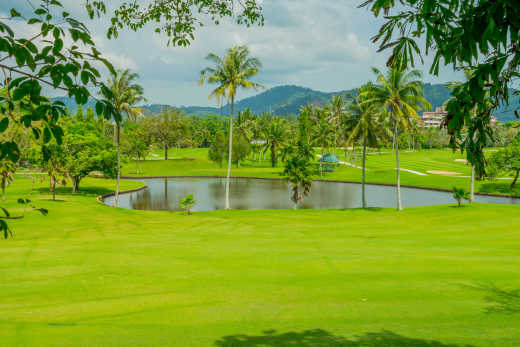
(461, 161)
(446, 173)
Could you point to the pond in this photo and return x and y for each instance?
(163, 194)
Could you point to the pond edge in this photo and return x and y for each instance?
(281, 179)
(101, 198)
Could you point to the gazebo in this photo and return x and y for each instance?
(329, 162)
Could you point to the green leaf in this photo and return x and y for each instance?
(5, 27)
(40, 11)
(58, 45)
(85, 77)
(46, 135)
(4, 123)
(15, 13)
(33, 21)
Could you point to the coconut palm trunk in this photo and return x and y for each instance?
(472, 185)
(321, 160)
(398, 186)
(230, 155)
(53, 187)
(363, 194)
(118, 144)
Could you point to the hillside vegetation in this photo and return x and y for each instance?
(284, 100)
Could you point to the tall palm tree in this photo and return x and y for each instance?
(399, 96)
(230, 73)
(276, 135)
(123, 93)
(362, 123)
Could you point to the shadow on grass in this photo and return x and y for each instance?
(501, 187)
(86, 191)
(499, 300)
(368, 209)
(461, 206)
(322, 338)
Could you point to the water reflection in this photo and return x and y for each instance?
(256, 194)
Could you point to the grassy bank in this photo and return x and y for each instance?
(92, 275)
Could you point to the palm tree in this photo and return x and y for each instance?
(276, 135)
(298, 174)
(123, 94)
(7, 170)
(336, 110)
(245, 124)
(399, 97)
(323, 132)
(231, 73)
(459, 194)
(362, 123)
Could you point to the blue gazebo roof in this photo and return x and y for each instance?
(329, 158)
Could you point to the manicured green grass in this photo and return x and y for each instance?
(380, 169)
(92, 275)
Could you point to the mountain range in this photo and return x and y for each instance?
(288, 99)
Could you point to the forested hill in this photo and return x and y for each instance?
(283, 100)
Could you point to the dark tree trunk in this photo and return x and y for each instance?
(516, 178)
(165, 151)
(363, 194)
(273, 156)
(53, 183)
(75, 184)
(166, 190)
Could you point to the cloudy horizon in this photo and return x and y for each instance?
(322, 45)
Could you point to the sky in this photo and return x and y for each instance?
(320, 44)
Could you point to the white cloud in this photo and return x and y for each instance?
(320, 44)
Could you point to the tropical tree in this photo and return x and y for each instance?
(336, 110)
(241, 148)
(276, 135)
(245, 124)
(52, 160)
(363, 125)
(120, 94)
(468, 142)
(134, 144)
(460, 194)
(170, 127)
(297, 169)
(508, 160)
(324, 133)
(399, 97)
(84, 151)
(187, 203)
(7, 170)
(218, 149)
(298, 173)
(231, 73)
(482, 35)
